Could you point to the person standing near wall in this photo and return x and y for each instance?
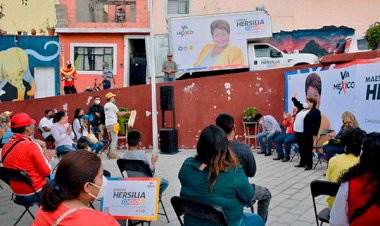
(107, 75)
(169, 68)
(68, 75)
(111, 113)
(97, 123)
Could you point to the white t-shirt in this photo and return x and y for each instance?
(45, 122)
(110, 111)
(298, 122)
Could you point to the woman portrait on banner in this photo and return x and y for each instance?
(313, 88)
(221, 52)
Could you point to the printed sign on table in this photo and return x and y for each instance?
(132, 198)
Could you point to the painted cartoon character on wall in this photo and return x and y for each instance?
(15, 75)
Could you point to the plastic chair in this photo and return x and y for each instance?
(319, 187)
(138, 168)
(207, 212)
(7, 175)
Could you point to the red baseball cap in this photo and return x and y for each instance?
(21, 119)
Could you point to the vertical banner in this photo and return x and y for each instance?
(132, 198)
(353, 87)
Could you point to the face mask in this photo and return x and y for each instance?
(80, 116)
(101, 189)
(305, 105)
(113, 101)
(50, 116)
(97, 102)
(261, 122)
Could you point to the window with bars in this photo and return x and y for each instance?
(92, 58)
(178, 6)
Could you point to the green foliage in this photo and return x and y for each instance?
(122, 120)
(373, 36)
(249, 113)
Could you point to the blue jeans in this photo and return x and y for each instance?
(251, 219)
(31, 199)
(169, 79)
(64, 148)
(331, 150)
(95, 147)
(106, 84)
(288, 140)
(265, 135)
(164, 183)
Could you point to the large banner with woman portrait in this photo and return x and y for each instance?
(219, 41)
(353, 87)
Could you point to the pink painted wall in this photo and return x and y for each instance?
(87, 80)
(197, 102)
(142, 17)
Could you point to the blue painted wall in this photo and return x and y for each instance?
(42, 51)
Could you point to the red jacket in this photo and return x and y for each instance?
(359, 195)
(26, 155)
(289, 124)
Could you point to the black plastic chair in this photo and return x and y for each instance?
(207, 212)
(138, 168)
(319, 187)
(7, 175)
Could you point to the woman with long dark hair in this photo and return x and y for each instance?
(306, 126)
(358, 198)
(214, 176)
(79, 181)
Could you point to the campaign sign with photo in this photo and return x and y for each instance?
(195, 39)
(132, 198)
(353, 87)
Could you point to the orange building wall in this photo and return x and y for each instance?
(142, 17)
(87, 80)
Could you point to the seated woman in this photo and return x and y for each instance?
(62, 133)
(358, 199)
(352, 142)
(333, 147)
(214, 176)
(81, 128)
(80, 181)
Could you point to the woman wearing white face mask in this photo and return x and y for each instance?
(80, 181)
(306, 126)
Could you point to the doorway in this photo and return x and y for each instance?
(137, 62)
(45, 81)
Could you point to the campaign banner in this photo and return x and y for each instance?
(132, 198)
(219, 41)
(353, 87)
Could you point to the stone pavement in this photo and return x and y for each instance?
(290, 187)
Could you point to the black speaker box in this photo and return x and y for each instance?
(167, 97)
(169, 140)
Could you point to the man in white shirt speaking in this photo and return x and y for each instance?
(111, 113)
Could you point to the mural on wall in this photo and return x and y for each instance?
(320, 42)
(19, 55)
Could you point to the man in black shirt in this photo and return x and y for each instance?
(247, 161)
(98, 122)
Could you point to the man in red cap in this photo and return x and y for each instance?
(68, 75)
(23, 154)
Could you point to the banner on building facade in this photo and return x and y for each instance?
(353, 87)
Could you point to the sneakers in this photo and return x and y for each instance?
(112, 155)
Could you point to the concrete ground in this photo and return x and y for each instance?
(291, 202)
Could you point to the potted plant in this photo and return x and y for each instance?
(249, 114)
(33, 32)
(373, 36)
(50, 29)
(122, 120)
(42, 31)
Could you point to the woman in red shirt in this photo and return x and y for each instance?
(79, 180)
